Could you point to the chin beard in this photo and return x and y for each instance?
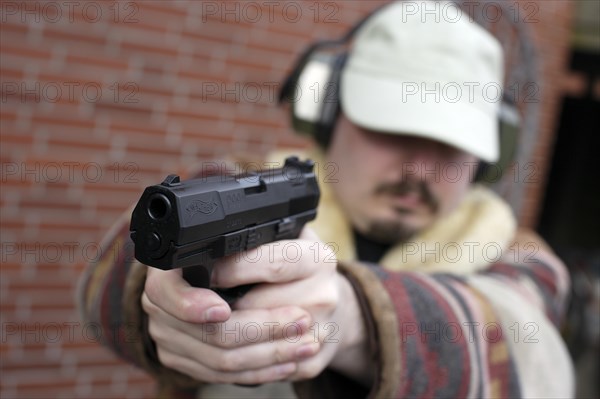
(391, 232)
(386, 232)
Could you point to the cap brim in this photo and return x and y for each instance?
(381, 104)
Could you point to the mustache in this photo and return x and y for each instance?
(408, 187)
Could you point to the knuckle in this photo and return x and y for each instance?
(333, 295)
(155, 331)
(329, 297)
(229, 362)
(324, 306)
(184, 308)
(279, 355)
(277, 269)
(305, 373)
(279, 315)
(147, 305)
(166, 358)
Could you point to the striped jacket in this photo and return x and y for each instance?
(445, 318)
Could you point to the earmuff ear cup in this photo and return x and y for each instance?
(509, 129)
(314, 104)
(306, 91)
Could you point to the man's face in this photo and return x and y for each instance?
(393, 186)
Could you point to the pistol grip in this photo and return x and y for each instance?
(230, 295)
(199, 276)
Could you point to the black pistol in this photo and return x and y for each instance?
(192, 223)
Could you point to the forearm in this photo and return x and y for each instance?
(441, 334)
(102, 291)
(375, 351)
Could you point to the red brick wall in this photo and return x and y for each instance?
(100, 99)
(551, 34)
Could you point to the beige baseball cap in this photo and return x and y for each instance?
(424, 69)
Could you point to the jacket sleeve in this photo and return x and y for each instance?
(491, 334)
(110, 291)
(109, 298)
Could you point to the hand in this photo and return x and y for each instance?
(195, 333)
(290, 326)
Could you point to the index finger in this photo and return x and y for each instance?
(170, 292)
(276, 262)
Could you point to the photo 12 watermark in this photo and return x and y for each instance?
(469, 331)
(470, 252)
(54, 12)
(254, 12)
(70, 172)
(28, 92)
(482, 11)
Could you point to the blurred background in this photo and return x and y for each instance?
(100, 99)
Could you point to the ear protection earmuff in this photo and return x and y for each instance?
(315, 102)
(509, 129)
(313, 88)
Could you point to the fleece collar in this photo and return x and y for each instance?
(478, 232)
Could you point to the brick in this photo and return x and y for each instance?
(41, 316)
(169, 52)
(78, 33)
(25, 51)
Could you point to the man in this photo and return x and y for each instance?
(425, 289)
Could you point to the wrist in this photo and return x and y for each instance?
(352, 355)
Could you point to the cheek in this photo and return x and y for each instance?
(352, 179)
(350, 167)
(453, 195)
(453, 186)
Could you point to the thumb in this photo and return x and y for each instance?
(170, 292)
